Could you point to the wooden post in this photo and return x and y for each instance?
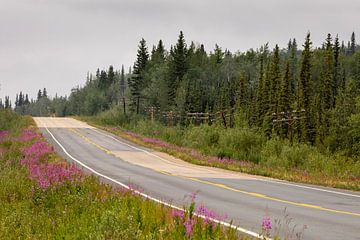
(171, 119)
(232, 120)
(152, 114)
(124, 106)
(137, 105)
(224, 119)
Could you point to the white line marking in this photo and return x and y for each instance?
(264, 180)
(226, 224)
(311, 188)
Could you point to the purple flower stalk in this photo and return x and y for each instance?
(266, 223)
(189, 223)
(4, 135)
(177, 214)
(207, 213)
(193, 196)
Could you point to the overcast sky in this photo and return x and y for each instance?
(54, 43)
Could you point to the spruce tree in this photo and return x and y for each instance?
(289, 46)
(218, 54)
(17, 101)
(352, 44)
(259, 95)
(328, 96)
(103, 82)
(342, 48)
(21, 99)
(263, 93)
(178, 66)
(110, 76)
(39, 95)
(159, 54)
(284, 106)
(275, 80)
(44, 94)
(306, 132)
(122, 82)
(136, 82)
(7, 102)
(242, 91)
(98, 73)
(266, 101)
(27, 102)
(336, 75)
(293, 66)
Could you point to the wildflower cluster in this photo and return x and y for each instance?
(4, 135)
(28, 135)
(45, 173)
(266, 225)
(193, 219)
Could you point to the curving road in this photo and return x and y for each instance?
(326, 213)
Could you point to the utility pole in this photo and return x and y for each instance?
(289, 118)
(124, 105)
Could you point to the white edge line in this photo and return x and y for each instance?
(243, 230)
(311, 188)
(264, 180)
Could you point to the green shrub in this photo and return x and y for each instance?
(244, 143)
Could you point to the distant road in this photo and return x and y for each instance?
(328, 213)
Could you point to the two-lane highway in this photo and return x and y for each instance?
(328, 213)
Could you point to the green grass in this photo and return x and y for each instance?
(248, 149)
(82, 208)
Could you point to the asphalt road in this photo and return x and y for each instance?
(327, 213)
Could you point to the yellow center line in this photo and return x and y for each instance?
(254, 194)
(91, 142)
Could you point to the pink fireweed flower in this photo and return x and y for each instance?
(132, 134)
(193, 196)
(266, 223)
(156, 142)
(189, 224)
(27, 135)
(53, 174)
(208, 214)
(37, 150)
(4, 135)
(175, 213)
(47, 174)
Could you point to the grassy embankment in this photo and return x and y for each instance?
(239, 149)
(44, 197)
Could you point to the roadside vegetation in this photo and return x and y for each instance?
(240, 148)
(44, 197)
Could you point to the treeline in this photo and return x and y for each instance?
(305, 94)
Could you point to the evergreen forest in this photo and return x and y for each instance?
(300, 93)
